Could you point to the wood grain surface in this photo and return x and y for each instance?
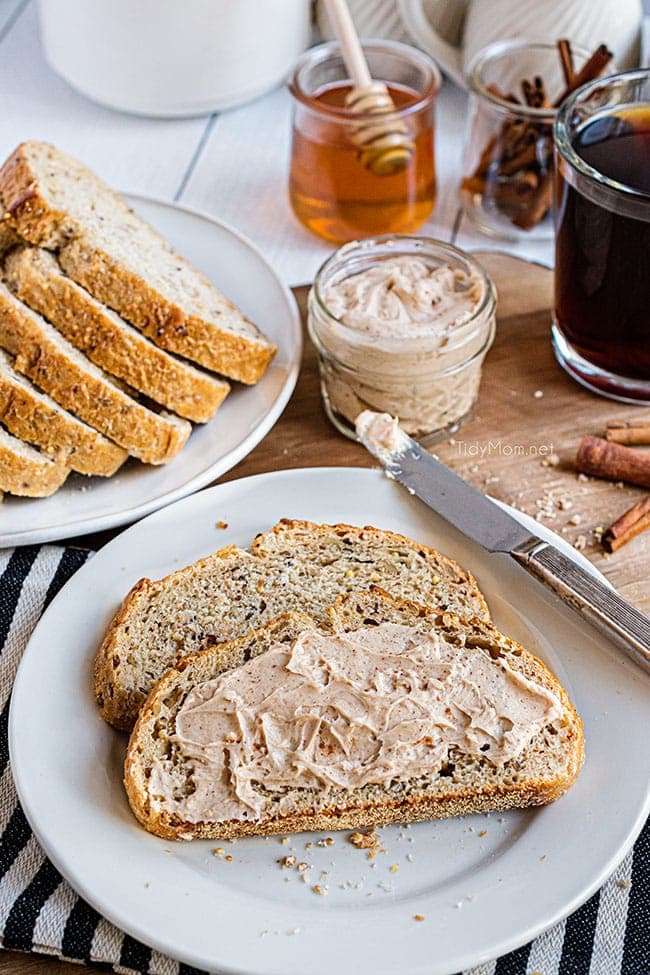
(518, 446)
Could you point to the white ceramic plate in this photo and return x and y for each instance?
(235, 265)
(484, 884)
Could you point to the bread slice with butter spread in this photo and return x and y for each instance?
(385, 712)
(298, 565)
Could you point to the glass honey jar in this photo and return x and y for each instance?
(332, 191)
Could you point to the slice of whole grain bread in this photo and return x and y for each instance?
(463, 784)
(37, 419)
(297, 566)
(36, 277)
(79, 386)
(54, 201)
(28, 472)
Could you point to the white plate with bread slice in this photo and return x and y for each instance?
(129, 375)
(431, 898)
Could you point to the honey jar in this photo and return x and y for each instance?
(332, 191)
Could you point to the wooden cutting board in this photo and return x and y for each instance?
(498, 450)
(504, 448)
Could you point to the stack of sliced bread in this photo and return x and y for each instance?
(110, 340)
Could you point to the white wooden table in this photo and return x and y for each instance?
(204, 162)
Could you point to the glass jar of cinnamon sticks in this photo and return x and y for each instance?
(516, 86)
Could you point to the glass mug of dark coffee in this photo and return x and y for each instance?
(601, 326)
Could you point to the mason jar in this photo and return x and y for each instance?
(430, 381)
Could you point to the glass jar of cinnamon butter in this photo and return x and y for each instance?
(401, 326)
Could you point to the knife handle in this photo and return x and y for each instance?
(603, 607)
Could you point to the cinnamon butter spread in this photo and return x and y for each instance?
(380, 433)
(332, 712)
(405, 335)
(404, 298)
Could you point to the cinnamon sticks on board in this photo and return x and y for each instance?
(515, 170)
(613, 461)
(636, 432)
(617, 462)
(628, 526)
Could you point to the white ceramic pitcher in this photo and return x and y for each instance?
(453, 31)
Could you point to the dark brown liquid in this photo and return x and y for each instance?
(602, 276)
(334, 194)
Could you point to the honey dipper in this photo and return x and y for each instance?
(384, 145)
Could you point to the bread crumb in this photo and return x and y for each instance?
(283, 839)
(394, 868)
(219, 852)
(580, 543)
(309, 846)
(222, 525)
(366, 841)
(543, 856)
(483, 832)
(303, 866)
(624, 884)
(575, 520)
(228, 858)
(288, 861)
(418, 917)
(320, 889)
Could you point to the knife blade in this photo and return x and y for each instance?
(482, 520)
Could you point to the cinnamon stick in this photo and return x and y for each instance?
(514, 168)
(539, 205)
(612, 461)
(566, 57)
(634, 521)
(506, 96)
(590, 70)
(636, 432)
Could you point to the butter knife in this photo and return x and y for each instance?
(476, 516)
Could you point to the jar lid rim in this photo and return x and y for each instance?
(323, 52)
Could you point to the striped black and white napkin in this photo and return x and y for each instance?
(39, 911)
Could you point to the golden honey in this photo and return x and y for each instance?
(331, 191)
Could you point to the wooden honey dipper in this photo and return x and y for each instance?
(384, 145)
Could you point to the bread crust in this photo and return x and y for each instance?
(29, 417)
(355, 815)
(36, 278)
(105, 405)
(34, 476)
(26, 211)
(239, 357)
